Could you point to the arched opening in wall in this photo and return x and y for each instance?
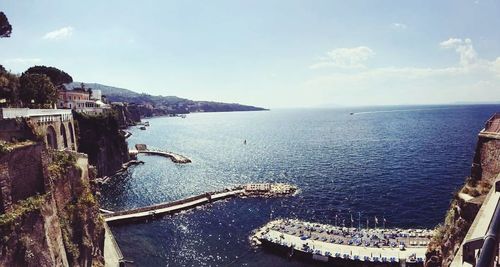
(71, 133)
(51, 137)
(64, 135)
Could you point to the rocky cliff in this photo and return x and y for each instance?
(126, 114)
(99, 137)
(57, 223)
(466, 201)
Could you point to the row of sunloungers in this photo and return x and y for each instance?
(346, 256)
(419, 243)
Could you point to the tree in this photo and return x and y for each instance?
(56, 76)
(5, 27)
(37, 90)
(9, 85)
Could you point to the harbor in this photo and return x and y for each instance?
(343, 245)
(263, 190)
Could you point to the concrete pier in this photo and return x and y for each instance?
(176, 158)
(112, 253)
(269, 190)
(169, 207)
(329, 243)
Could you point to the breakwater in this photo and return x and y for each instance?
(327, 243)
(142, 148)
(265, 190)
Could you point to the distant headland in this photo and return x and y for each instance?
(162, 105)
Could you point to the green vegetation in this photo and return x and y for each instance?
(5, 27)
(66, 225)
(449, 235)
(56, 76)
(160, 105)
(37, 90)
(21, 208)
(73, 218)
(61, 161)
(36, 87)
(476, 188)
(6, 147)
(9, 86)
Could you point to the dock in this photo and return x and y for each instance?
(327, 243)
(263, 190)
(142, 148)
(113, 256)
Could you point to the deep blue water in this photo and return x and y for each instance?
(402, 164)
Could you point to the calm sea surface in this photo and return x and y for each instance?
(399, 163)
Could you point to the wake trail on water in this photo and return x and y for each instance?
(398, 110)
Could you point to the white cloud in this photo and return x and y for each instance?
(62, 33)
(495, 65)
(345, 58)
(396, 85)
(399, 26)
(22, 61)
(464, 48)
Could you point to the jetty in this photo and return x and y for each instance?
(342, 245)
(142, 148)
(263, 190)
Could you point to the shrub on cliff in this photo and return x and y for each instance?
(4, 148)
(21, 208)
(74, 218)
(61, 161)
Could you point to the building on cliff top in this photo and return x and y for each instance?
(55, 125)
(82, 100)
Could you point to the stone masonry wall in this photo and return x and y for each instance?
(21, 174)
(15, 129)
(486, 165)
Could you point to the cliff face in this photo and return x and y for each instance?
(486, 164)
(126, 115)
(99, 137)
(466, 202)
(57, 224)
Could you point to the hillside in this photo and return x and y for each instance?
(170, 104)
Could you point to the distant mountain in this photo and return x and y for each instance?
(170, 104)
(493, 102)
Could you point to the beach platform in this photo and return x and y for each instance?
(329, 243)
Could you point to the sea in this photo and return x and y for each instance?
(401, 163)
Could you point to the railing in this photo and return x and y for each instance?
(489, 250)
(487, 245)
(11, 113)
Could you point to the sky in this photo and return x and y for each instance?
(267, 53)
